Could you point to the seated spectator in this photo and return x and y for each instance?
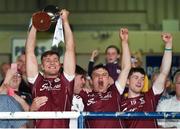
(171, 105)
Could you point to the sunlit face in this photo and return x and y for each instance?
(100, 80)
(79, 81)
(177, 85)
(112, 55)
(51, 65)
(15, 81)
(136, 82)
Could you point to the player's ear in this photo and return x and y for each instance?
(111, 81)
(42, 67)
(127, 81)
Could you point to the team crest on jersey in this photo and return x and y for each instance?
(57, 80)
(118, 71)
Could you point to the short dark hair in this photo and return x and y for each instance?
(113, 46)
(50, 52)
(79, 70)
(136, 69)
(98, 66)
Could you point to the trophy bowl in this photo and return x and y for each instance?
(43, 20)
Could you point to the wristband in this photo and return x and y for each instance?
(168, 49)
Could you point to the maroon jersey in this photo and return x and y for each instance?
(146, 102)
(102, 102)
(60, 93)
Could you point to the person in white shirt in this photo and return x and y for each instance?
(77, 103)
(171, 105)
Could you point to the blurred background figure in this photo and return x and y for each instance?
(4, 67)
(171, 105)
(112, 57)
(9, 104)
(168, 86)
(21, 66)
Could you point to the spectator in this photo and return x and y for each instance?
(112, 61)
(10, 101)
(57, 87)
(136, 101)
(11, 85)
(9, 104)
(24, 87)
(171, 105)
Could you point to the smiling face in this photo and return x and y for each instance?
(100, 80)
(136, 79)
(136, 82)
(51, 65)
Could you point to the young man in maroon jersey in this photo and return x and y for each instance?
(104, 96)
(136, 101)
(56, 86)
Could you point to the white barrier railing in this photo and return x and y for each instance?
(81, 116)
(39, 115)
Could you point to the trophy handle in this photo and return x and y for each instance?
(53, 12)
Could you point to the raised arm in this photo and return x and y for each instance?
(7, 81)
(94, 54)
(69, 56)
(125, 63)
(159, 83)
(31, 61)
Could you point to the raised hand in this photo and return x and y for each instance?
(167, 37)
(64, 15)
(9, 75)
(94, 54)
(123, 34)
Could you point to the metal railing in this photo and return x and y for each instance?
(81, 116)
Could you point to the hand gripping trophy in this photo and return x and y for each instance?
(42, 21)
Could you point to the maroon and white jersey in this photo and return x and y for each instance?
(146, 102)
(59, 92)
(102, 102)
